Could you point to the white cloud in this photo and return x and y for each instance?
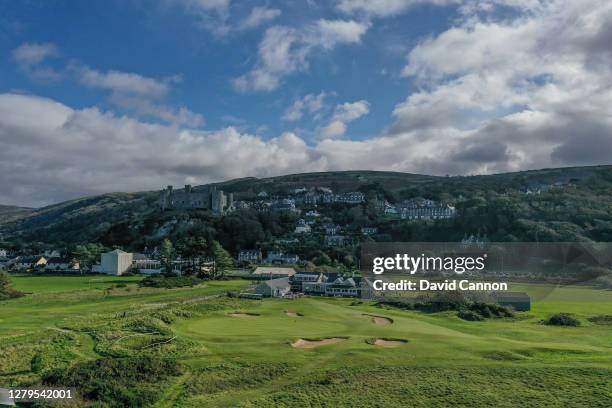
(64, 152)
(259, 15)
(285, 50)
(310, 103)
(136, 93)
(30, 56)
(123, 82)
(384, 8)
(344, 114)
(34, 53)
(212, 15)
(527, 92)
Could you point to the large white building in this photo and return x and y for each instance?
(115, 262)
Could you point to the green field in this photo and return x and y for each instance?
(239, 353)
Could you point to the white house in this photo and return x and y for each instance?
(115, 262)
(3, 253)
(274, 288)
(302, 227)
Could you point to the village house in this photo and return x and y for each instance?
(285, 205)
(302, 227)
(304, 281)
(331, 229)
(325, 284)
(354, 197)
(280, 258)
(250, 255)
(327, 198)
(3, 253)
(7, 262)
(62, 264)
(241, 205)
(334, 240)
(279, 287)
(146, 265)
(348, 287)
(311, 198)
(428, 212)
(30, 262)
(369, 230)
(390, 209)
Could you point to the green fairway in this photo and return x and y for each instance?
(249, 353)
(44, 284)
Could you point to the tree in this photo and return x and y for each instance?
(223, 260)
(167, 255)
(6, 290)
(193, 251)
(88, 254)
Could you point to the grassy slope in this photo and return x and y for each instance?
(249, 361)
(442, 351)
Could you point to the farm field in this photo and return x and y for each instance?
(307, 352)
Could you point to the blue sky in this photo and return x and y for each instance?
(133, 95)
(160, 40)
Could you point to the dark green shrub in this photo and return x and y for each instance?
(169, 282)
(601, 319)
(117, 382)
(562, 319)
(469, 315)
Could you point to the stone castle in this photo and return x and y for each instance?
(205, 198)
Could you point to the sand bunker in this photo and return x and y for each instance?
(380, 320)
(294, 314)
(389, 342)
(305, 343)
(241, 314)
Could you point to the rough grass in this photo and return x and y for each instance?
(445, 387)
(227, 361)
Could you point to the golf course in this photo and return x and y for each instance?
(203, 348)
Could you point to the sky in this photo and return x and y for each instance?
(133, 95)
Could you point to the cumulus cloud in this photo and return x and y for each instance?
(310, 103)
(30, 57)
(259, 15)
(344, 114)
(65, 152)
(138, 94)
(123, 82)
(285, 50)
(524, 92)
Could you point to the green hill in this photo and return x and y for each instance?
(11, 212)
(579, 207)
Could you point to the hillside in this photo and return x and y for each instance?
(11, 212)
(493, 204)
